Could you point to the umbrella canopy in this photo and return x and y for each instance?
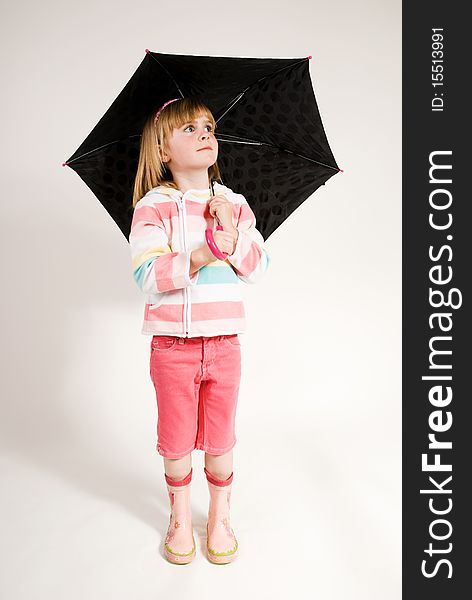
(272, 147)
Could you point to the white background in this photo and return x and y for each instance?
(316, 502)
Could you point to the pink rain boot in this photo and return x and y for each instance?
(179, 545)
(222, 546)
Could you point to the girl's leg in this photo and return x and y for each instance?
(178, 468)
(179, 545)
(220, 466)
(222, 545)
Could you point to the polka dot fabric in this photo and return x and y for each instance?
(272, 145)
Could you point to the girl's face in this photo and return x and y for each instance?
(192, 146)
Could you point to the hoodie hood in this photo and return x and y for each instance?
(203, 194)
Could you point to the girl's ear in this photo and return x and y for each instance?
(162, 154)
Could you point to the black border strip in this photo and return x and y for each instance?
(437, 356)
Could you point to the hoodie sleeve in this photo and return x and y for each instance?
(250, 259)
(155, 267)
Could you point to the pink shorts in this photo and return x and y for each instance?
(197, 384)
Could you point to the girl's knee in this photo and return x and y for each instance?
(178, 468)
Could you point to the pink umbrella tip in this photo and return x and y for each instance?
(342, 170)
(147, 51)
(65, 164)
(309, 57)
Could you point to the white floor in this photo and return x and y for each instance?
(91, 525)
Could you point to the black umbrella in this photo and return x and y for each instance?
(272, 147)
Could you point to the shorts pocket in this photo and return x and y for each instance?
(232, 340)
(163, 343)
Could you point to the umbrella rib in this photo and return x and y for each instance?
(100, 147)
(237, 98)
(162, 67)
(233, 102)
(256, 143)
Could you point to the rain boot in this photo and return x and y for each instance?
(179, 545)
(222, 546)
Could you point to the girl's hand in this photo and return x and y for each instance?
(225, 241)
(222, 209)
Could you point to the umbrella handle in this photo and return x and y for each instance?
(212, 245)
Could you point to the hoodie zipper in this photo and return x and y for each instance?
(186, 289)
(187, 292)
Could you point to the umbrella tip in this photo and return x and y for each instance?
(308, 57)
(65, 164)
(147, 51)
(342, 170)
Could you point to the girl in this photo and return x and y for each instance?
(193, 310)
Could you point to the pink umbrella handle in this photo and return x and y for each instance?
(212, 245)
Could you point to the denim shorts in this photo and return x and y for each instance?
(197, 385)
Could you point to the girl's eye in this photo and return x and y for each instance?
(209, 126)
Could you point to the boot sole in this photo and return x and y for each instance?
(178, 559)
(221, 560)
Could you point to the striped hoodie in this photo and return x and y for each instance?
(166, 226)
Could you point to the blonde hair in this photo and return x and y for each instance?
(152, 172)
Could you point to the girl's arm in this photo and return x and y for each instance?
(199, 258)
(250, 259)
(156, 268)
